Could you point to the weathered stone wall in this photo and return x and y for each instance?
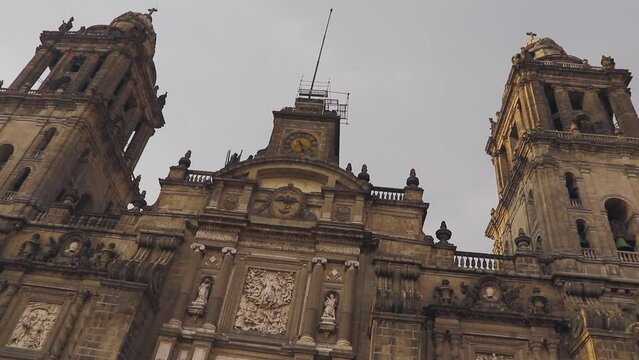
(394, 339)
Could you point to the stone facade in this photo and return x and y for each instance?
(285, 255)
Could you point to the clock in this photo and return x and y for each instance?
(300, 143)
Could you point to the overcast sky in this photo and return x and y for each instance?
(424, 77)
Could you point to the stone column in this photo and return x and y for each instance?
(536, 347)
(541, 106)
(598, 114)
(346, 306)
(138, 143)
(565, 109)
(625, 112)
(83, 75)
(455, 346)
(219, 290)
(439, 345)
(312, 302)
(187, 286)
(5, 297)
(553, 348)
(36, 66)
(68, 325)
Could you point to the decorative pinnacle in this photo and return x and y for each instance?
(443, 234)
(363, 175)
(185, 161)
(412, 179)
(349, 167)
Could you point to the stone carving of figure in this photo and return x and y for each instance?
(34, 325)
(203, 291)
(73, 249)
(607, 62)
(329, 306)
(29, 249)
(66, 26)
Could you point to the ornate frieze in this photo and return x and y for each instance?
(34, 325)
(493, 356)
(72, 249)
(490, 293)
(265, 301)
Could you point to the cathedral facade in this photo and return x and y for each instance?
(286, 255)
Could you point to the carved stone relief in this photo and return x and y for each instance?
(265, 301)
(490, 293)
(72, 249)
(34, 325)
(342, 213)
(334, 272)
(287, 202)
(230, 201)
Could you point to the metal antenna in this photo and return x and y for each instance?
(320, 54)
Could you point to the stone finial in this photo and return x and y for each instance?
(607, 62)
(349, 167)
(363, 175)
(522, 241)
(412, 179)
(443, 234)
(185, 161)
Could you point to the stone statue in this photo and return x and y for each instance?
(363, 175)
(607, 62)
(185, 161)
(330, 304)
(29, 249)
(162, 100)
(203, 291)
(234, 159)
(66, 26)
(104, 256)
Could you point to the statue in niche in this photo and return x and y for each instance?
(330, 304)
(203, 291)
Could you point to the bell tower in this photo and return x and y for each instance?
(75, 121)
(565, 148)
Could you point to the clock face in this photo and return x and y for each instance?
(300, 143)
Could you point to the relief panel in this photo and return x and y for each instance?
(265, 301)
(34, 325)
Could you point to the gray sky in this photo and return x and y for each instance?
(424, 77)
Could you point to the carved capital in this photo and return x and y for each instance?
(351, 264)
(198, 248)
(229, 250)
(319, 260)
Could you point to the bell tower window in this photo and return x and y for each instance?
(20, 179)
(618, 218)
(582, 233)
(6, 150)
(573, 191)
(576, 100)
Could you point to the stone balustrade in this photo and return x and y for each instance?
(480, 261)
(386, 193)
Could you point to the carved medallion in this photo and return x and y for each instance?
(34, 325)
(230, 201)
(286, 202)
(265, 301)
(343, 213)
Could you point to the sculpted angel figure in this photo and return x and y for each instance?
(203, 291)
(329, 306)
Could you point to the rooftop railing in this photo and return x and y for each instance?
(629, 257)
(386, 193)
(480, 261)
(197, 176)
(91, 220)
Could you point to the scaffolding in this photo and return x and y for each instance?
(333, 100)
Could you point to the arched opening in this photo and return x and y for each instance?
(6, 150)
(20, 179)
(44, 142)
(573, 191)
(76, 63)
(582, 233)
(85, 204)
(619, 219)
